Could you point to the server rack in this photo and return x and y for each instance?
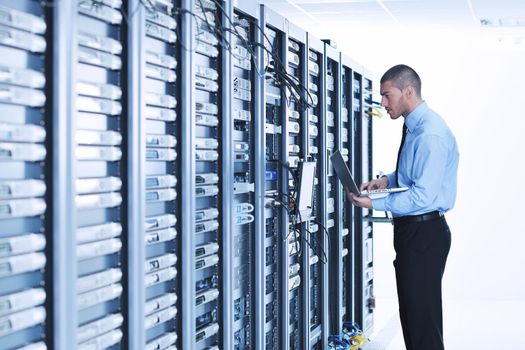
(99, 175)
(364, 297)
(333, 195)
(318, 284)
(347, 146)
(242, 148)
(276, 248)
(158, 137)
(25, 176)
(298, 52)
(211, 219)
(298, 112)
(296, 152)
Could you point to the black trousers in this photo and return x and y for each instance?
(421, 254)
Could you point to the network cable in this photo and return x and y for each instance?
(282, 76)
(312, 234)
(325, 230)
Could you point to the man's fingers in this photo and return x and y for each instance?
(372, 185)
(354, 199)
(363, 202)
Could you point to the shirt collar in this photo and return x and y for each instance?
(414, 117)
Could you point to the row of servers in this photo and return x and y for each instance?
(151, 157)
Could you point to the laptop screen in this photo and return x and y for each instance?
(306, 186)
(344, 174)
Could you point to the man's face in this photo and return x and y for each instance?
(393, 99)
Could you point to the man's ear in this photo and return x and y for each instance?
(409, 91)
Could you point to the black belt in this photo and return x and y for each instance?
(418, 218)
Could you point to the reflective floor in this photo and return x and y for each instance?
(468, 325)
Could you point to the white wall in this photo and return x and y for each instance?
(477, 87)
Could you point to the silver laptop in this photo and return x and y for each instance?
(347, 179)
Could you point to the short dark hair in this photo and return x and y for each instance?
(402, 76)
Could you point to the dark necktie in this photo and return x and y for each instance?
(399, 152)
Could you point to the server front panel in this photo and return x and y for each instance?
(207, 60)
(25, 164)
(347, 216)
(160, 95)
(99, 174)
(243, 200)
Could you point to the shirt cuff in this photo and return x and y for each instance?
(379, 204)
(391, 180)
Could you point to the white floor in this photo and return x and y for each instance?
(468, 325)
(482, 310)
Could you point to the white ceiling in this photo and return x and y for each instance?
(446, 15)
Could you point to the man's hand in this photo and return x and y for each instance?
(363, 202)
(375, 184)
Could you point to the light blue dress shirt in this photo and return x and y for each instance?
(428, 166)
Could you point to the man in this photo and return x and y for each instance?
(427, 164)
